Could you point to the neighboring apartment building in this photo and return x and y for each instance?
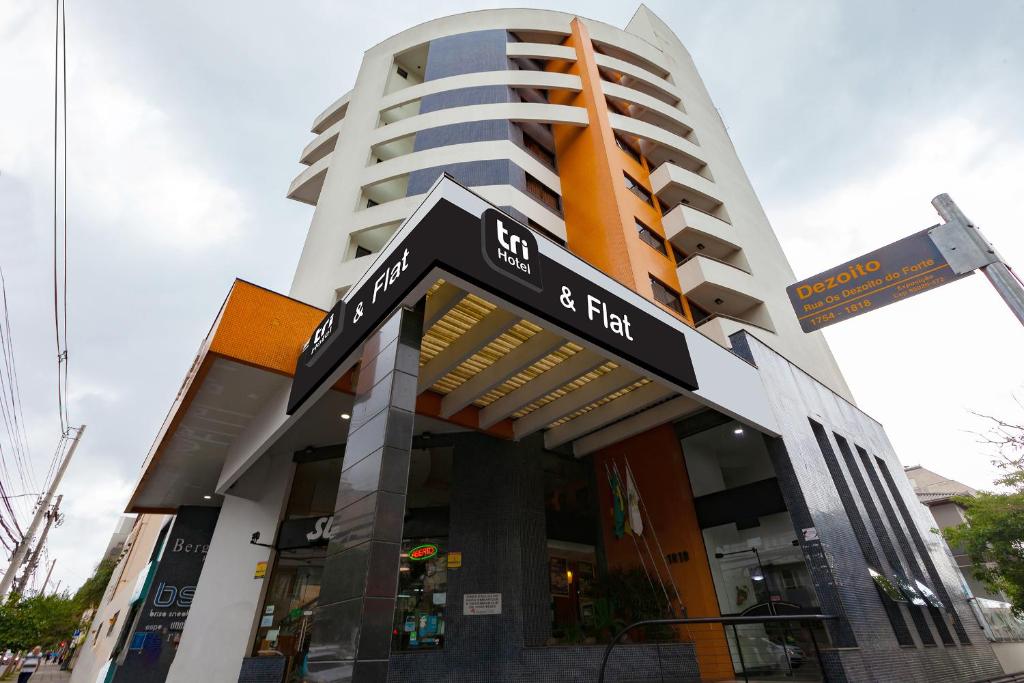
(993, 610)
(107, 627)
(420, 464)
(119, 538)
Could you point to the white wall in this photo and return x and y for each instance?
(95, 649)
(220, 626)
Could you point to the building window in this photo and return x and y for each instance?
(699, 314)
(664, 295)
(627, 148)
(650, 238)
(403, 73)
(542, 193)
(362, 251)
(544, 231)
(538, 150)
(677, 255)
(422, 595)
(370, 203)
(639, 190)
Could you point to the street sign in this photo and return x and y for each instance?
(895, 272)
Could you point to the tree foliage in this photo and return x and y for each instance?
(992, 535)
(37, 620)
(46, 620)
(91, 592)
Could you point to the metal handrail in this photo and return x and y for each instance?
(713, 620)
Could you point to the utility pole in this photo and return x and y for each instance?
(52, 515)
(20, 552)
(48, 573)
(966, 249)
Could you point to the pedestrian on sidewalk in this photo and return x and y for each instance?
(30, 663)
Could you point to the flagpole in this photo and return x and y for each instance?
(640, 556)
(650, 553)
(657, 542)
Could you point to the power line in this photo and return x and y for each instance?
(60, 268)
(11, 410)
(64, 80)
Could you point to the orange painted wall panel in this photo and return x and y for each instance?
(262, 328)
(599, 210)
(659, 470)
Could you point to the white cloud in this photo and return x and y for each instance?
(135, 171)
(145, 180)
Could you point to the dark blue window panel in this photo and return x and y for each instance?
(467, 53)
(470, 174)
(860, 530)
(458, 133)
(882, 534)
(902, 541)
(465, 97)
(937, 583)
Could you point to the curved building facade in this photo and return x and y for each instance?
(604, 139)
(537, 378)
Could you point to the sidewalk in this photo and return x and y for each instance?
(49, 673)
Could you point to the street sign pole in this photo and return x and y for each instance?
(966, 249)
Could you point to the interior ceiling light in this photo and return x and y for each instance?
(207, 497)
(738, 431)
(719, 301)
(345, 416)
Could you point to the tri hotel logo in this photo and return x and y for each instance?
(511, 249)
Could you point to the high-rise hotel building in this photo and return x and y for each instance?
(605, 139)
(537, 378)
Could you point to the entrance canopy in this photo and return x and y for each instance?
(519, 336)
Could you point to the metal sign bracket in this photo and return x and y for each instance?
(963, 246)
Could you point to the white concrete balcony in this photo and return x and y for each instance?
(694, 231)
(658, 144)
(353, 269)
(541, 51)
(639, 79)
(719, 327)
(540, 80)
(512, 111)
(306, 187)
(322, 144)
(721, 288)
(674, 185)
(649, 109)
(332, 114)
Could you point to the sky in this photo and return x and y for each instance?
(186, 120)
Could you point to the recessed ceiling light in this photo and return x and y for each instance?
(207, 497)
(345, 416)
(738, 430)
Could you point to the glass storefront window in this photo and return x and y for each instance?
(422, 595)
(756, 560)
(286, 616)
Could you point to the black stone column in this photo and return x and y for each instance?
(351, 638)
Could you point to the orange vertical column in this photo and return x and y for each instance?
(659, 470)
(600, 212)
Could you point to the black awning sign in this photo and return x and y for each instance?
(505, 259)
